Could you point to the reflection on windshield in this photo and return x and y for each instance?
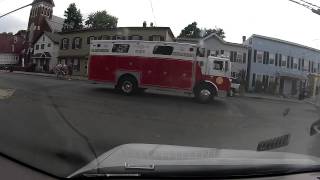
(78, 91)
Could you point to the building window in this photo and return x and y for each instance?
(49, 44)
(271, 59)
(266, 57)
(120, 48)
(259, 57)
(239, 57)
(255, 56)
(234, 56)
(37, 47)
(135, 37)
(42, 46)
(295, 63)
(283, 63)
(118, 38)
(291, 62)
(244, 58)
(221, 51)
(105, 37)
(163, 50)
(65, 43)
(76, 44)
(299, 64)
(43, 38)
(90, 38)
(156, 38)
(200, 52)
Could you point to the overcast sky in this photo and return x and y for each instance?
(275, 18)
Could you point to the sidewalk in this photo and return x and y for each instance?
(270, 97)
(47, 75)
(314, 101)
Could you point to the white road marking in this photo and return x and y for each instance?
(6, 93)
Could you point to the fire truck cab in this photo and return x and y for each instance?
(133, 65)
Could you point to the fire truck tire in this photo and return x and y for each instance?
(204, 93)
(127, 85)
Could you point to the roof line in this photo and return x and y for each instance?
(285, 42)
(222, 40)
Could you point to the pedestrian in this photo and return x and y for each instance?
(70, 70)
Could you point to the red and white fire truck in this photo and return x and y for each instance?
(134, 65)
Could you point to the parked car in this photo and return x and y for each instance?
(235, 86)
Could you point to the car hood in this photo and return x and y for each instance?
(149, 156)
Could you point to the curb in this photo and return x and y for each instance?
(312, 103)
(272, 99)
(79, 78)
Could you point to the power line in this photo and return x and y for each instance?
(314, 8)
(310, 3)
(15, 10)
(154, 17)
(301, 4)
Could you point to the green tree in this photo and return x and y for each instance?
(73, 18)
(191, 31)
(218, 31)
(101, 19)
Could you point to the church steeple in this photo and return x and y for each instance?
(44, 1)
(40, 11)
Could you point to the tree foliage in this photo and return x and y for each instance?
(218, 31)
(191, 31)
(101, 19)
(73, 18)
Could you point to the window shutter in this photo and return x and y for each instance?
(74, 43)
(80, 43)
(161, 38)
(61, 44)
(255, 56)
(88, 40)
(150, 38)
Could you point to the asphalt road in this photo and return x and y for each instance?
(44, 122)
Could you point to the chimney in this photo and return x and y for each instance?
(244, 38)
(144, 24)
(151, 24)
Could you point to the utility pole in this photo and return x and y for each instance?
(314, 8)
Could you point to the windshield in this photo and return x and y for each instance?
(80, 78)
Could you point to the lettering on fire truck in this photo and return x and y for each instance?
(136, 65)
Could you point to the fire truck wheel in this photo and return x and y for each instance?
(128, 85)
(204, 94)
